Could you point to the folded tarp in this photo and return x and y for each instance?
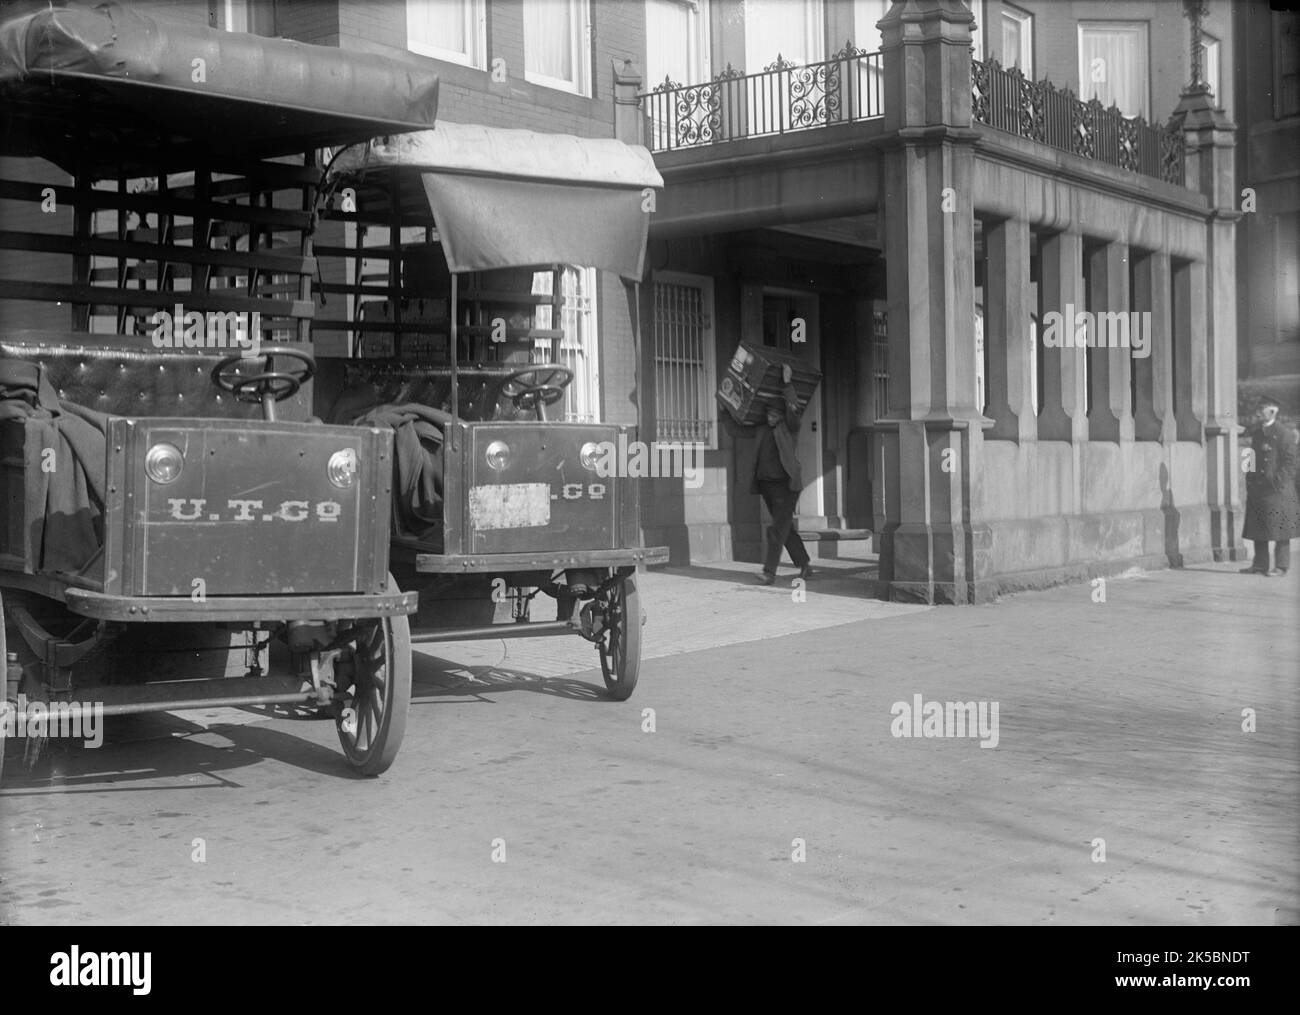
(63, 493)
(169, 86)
(418, 433)
(512, 198)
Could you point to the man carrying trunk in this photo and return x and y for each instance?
(778, 480)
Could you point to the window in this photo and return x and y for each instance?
(795, 30)
(677, 50)
(677, 41)
(871, 74)
(1113, 65)
(1286, 64)
(1018, 40)
(685, 407)
(578, 352)
(1210, 65)
(256, 17)
(557, 44)
(451, 30)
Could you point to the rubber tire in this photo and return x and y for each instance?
(620, 649)
(388, 728)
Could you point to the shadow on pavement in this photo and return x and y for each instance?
(164, 752)
(435, 677)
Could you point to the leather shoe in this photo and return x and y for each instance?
(766, 579)
(1277, 572)
(1253, 570)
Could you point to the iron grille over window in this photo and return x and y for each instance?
(685, 409)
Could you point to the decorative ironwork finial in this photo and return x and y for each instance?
(1195, 12)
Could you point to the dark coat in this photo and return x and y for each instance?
(786, 435)
(68, 501)
(1272, 505)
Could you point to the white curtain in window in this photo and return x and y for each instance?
(443, 27)
(668, 43)
(1113, 66)
(1017, 42)
(793, 29)
(550, 30)
(865, 15)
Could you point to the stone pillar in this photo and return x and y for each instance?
(1208, 136)
(1154, 419)
(629, 120)
(1062, 417)
(1111, 415)
(932, 550)
(1006, 332)
(1187, 287)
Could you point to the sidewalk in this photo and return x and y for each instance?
(690, 609)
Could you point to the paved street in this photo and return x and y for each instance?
(1118, 721)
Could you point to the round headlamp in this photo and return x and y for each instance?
(163, 463)
(498, 455)
(589, 455)
(342, 468)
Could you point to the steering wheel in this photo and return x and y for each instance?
(271, 385)
(537, 387)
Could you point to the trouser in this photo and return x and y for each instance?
(1281, 554)
(781, 501)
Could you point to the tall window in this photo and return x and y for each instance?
(257, 17)
(677, 50)
(1286, 64)
(677, 41)
(792, 29)
(557, 44)
(1113, 65)
(871, 74)
(1210, 65)
(452, 30)
(577, 351)
(685, 407)
(1018, 40)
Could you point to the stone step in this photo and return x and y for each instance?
(838, 544)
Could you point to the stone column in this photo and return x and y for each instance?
(1208, 136)
(1154, 419)
(1111, 418)
(629, 118)
(1062, 417)
(1006, 332)
(932, 550)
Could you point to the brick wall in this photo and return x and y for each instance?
(308, 21)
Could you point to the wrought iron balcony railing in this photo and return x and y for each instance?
(779, 99)
(1041, 112)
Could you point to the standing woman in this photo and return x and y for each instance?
(1272, 505)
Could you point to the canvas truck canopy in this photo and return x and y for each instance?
(108, 87)
(512, 198)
